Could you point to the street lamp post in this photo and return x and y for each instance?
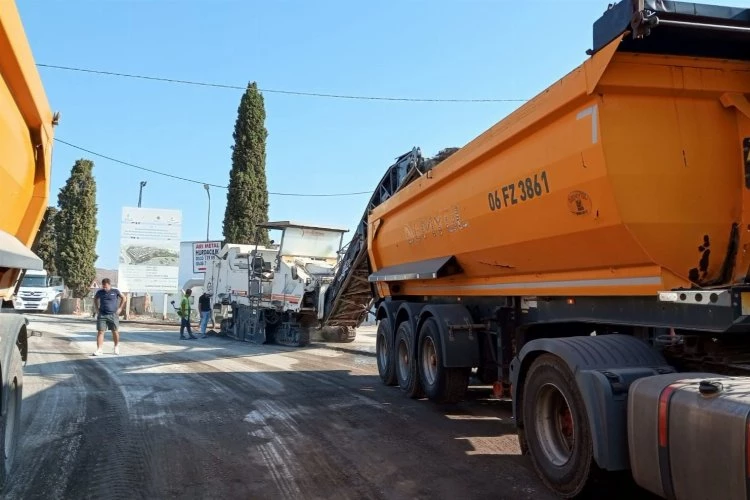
(140, 193)
(208, 220)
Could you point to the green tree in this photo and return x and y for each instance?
(46, 247)
(76, 228)
(247, 199)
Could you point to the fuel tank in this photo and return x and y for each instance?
(628, 176)
(688, 435)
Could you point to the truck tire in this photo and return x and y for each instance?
(384, 353)
(10, 424)
(441, 384)
(406, 362)
(556, 428)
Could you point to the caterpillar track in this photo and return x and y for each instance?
(260, 326)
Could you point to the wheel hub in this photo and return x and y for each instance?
(403, 357)
(382, 348)
(429, 361)
(554, 425)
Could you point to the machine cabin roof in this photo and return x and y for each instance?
(284, 224)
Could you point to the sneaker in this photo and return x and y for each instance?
(117, 350)
(98, 352)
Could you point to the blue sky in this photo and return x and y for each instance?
(434, 49)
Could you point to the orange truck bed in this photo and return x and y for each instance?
(26, 136)
(628, 176)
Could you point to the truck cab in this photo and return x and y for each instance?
(37, 291)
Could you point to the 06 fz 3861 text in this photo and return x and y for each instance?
(519, 192)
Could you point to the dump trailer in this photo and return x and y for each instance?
(26, 123)
(587, 256)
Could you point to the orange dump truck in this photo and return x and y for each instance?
(26, 123)
(588, 256)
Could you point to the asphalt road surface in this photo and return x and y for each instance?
(217, 418)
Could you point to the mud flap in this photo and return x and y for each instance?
(409, 311)
(460, 343)
(605, 394)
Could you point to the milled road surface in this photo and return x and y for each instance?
(217, 418)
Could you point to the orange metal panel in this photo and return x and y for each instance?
(623, 178)
(25, 137)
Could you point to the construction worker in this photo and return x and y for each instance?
(204, 307)
(184, 313)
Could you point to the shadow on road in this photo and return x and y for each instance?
(207, 421)
(218, 418)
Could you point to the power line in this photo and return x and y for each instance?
(271, 91)
(121, 162)
(194, 181)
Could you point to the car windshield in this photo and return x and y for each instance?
(34, 281)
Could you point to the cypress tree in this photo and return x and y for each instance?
(76, 228)
(247, 199)
(46, 247)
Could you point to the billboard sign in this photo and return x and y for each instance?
(203, 253)
(149, 250)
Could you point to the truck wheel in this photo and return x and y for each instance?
(441, 385)
(556, 427)
(384, 353)
(406, 362)
(10, 425)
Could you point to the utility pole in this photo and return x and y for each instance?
(140, 193)
(208, 220)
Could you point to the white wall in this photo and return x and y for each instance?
(186, 263)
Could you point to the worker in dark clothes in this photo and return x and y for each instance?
(204, 307)
(108, 303)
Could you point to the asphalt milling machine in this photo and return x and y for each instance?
(310, 286)
(274, 294)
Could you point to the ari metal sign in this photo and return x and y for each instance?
(203, 253)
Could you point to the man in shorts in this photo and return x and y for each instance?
(108, 303)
